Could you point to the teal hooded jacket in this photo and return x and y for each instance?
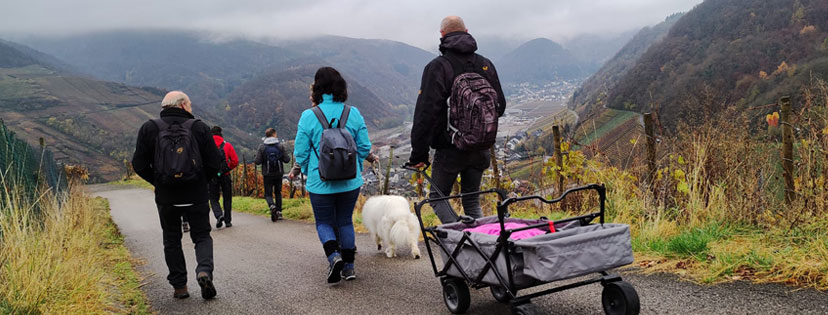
(309, 132)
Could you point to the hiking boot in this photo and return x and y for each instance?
(219, 221)
(273, 216)
(185, 227)
(335, 268)
(278, 215)
(228, 224)
(181, 293)
(348, 272)
(208, 291)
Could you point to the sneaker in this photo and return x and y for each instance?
(228, 224)
(273, 216)
(219, 221)
(335, 268)
(208, 291)
(348, 272)
(185, 227)
(279, 215)
(181, 293)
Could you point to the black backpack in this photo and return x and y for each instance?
(224, 167)
(472, 106)
(273, 159)
(337, 149)
(177, 157)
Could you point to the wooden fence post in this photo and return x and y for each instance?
(556, 138)
(292, 186)
(245, 191)
(649, 130)
(388, 171)
(495, 170)
(787, 148)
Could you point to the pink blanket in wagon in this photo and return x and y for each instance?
(494, 229)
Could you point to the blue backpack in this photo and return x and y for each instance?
(337, 153)
(273, 157)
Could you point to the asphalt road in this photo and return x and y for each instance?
(279, 268)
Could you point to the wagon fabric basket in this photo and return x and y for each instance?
(572, 251)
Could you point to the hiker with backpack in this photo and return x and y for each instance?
(222, 186)
(331, 143)
(457, 113)
(272, 155)
(177, 156)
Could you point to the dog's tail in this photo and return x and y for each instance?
(399, 232)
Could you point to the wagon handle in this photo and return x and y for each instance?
(602, 195)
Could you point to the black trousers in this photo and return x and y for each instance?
(273, 185)
(198, 216)
(448, 164)
(222, 187)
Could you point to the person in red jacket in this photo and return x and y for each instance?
(223, 185)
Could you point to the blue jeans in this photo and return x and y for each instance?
(334, 213)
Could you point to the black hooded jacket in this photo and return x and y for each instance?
(142, 160)
(430, 119)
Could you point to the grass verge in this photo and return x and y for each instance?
(67, 259)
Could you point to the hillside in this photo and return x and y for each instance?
(205, 69)
(83, 121)
(540, 60)
(592, 94)
(277, 99)
(391, 70)
(743, 53)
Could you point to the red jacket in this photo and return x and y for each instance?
(229, 152)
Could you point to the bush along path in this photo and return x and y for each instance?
(278, 268)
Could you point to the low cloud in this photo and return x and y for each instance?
(413, 22)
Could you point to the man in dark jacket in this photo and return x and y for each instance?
(271, 156)
(175, 200)
(222, 186)
(457, 46)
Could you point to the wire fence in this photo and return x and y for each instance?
(26, 171)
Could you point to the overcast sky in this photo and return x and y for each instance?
(412, 22)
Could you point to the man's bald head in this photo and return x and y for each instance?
(177, 99)
(452, 23)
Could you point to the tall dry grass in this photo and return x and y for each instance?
(716, 210)
(65, 259)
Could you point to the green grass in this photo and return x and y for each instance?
(618, 117)
(133, 181)
(131, 299)
(294, 209)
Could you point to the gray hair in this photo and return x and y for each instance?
(174, 99)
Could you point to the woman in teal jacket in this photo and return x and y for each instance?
(332, 201)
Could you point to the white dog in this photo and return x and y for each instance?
(391, 224)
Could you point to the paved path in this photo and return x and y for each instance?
(277, 268)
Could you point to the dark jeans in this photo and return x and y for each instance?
(222, 186)
(334, 219)
(448, 163)
(198, 216)
(273, 184)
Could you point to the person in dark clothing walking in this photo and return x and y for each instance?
(188, 197)
(457, 46)
(222, 186)
(272, 155)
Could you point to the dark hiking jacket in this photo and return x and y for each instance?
(430, 117)
(261, 159)
(144, 156)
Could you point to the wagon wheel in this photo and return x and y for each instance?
(525, 309)
(456, 295)
(620, 298)
(499, 294)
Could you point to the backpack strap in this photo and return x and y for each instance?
(321, 117)
(344, 118)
